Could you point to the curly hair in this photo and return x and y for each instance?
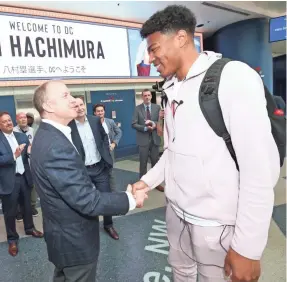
(171, 19)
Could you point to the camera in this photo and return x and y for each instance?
(158, 86)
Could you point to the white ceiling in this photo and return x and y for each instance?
(139, 11)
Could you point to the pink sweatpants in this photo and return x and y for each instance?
(196, 243)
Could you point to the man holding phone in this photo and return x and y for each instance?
(15, 180)
(144, 121)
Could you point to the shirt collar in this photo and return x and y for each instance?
(8, 135)
(26, 129)
(77, 122)
(66, 130)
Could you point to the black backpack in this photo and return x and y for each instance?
(210, 107)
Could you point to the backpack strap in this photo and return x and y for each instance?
(209, 104)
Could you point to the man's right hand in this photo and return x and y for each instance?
(241, 269)
(140, 185)
(19, 150)
(139, 195)
(150, 128)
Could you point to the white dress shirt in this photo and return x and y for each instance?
(14, 144)
(91, 151)
(66, 130)
(106, 129)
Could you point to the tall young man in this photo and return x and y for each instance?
(217, 217)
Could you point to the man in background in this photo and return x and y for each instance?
(15, 181)
(144, 121)
(30, 119)
(32, 122)
(23, 127)
(114, 134)
(91, 141)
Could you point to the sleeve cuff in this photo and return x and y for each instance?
(254, 253)
(146, 180)
(132, 201)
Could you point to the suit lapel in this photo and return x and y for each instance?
(5, 142)
(143, 111)
(109, 126)
(152, 112)
(94, 128)
(77, 139)
(18, 138)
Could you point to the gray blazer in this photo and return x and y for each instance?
(70, 202)
(138, 123)
(115, 133)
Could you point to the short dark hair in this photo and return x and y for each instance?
(80, 97)
(4, 113)
(97, 106)
(145, 90)
(171, 19)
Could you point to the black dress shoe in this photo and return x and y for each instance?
(35, 233)
(112, 232)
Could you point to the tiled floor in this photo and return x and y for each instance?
(141, 252)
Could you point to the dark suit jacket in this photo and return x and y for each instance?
(8, 165)
(101, 139)
(70, 202)
(138, 123)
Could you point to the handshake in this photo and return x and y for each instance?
(139, 191)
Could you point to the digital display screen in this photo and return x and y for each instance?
(277, 29)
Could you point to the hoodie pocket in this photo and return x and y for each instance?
(189, 176)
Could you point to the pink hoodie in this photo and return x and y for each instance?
(200, 175)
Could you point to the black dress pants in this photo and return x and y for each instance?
(21, 193)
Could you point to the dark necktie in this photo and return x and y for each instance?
(148, 113)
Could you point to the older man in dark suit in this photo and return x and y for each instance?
(15, 181)
(92, 143)
(144, 121)
(70, 201)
